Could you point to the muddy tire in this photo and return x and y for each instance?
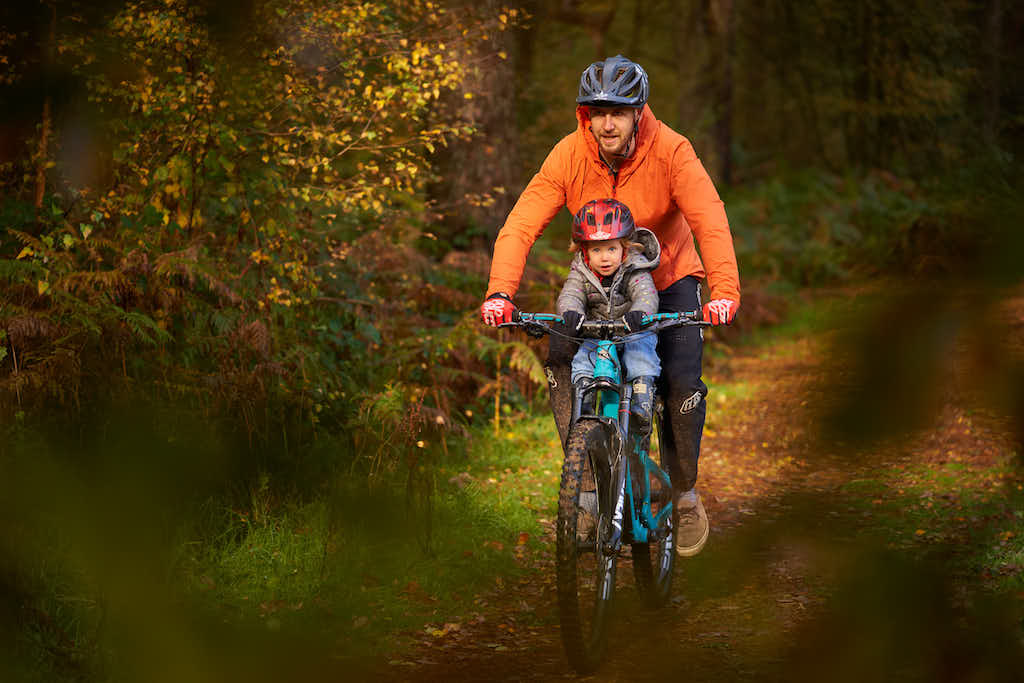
(585, 574)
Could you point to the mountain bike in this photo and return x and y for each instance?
(614, 491)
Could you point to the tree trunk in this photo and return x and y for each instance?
(725, 49)
(690, 63)
(473, 193)
(994, 31)
(596, 25)
(43, 153)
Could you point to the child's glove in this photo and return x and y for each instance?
(573, 321)
(633, 320)
(497, 309)
(720, 311)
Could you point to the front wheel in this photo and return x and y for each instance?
(585, 573)
(653, 562)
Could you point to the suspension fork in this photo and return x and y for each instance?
(619, 473)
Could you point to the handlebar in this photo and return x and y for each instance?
(609, 329)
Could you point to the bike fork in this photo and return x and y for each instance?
(611, 547)
(618, 499)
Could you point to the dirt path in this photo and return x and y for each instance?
(800, 576)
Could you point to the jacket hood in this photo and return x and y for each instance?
(645, 134)
(650, 257)
(647, 259)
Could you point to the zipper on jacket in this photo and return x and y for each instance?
(614, 173)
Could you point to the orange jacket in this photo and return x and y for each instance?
(665, 187)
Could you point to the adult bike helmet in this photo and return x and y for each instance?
(602, 219)
(616, 81)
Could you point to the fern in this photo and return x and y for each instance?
(27, 239)
(112, 284)
(20, 271)
(522, 358)
(145, 328)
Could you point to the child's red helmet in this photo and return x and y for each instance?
(602, 219)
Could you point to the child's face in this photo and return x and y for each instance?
(604, 256)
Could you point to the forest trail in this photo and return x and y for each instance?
(799, 524)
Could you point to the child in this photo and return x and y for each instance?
(610, 279)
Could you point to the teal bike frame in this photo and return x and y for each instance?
(611, 407)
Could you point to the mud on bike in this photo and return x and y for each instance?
(615, 491)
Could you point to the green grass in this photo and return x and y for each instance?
(265, 575)
(372, 562)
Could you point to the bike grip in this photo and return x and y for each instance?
(516, 317)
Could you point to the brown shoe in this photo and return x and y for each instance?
(692, 531)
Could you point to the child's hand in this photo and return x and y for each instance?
(573, 320)
(633, 320)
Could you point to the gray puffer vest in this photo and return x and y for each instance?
(632, 288)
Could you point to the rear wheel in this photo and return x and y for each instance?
(653, 562)
(586, 575)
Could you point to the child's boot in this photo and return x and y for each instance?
(582, 398)
(642, 403)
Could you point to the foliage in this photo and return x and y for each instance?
(209, 578)
(813, 227)
(224, 242)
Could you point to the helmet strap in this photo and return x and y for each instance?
(631, 147)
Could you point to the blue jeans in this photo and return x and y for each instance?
(639, 355)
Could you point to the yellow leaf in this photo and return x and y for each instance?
(27, 251)
(42, 286)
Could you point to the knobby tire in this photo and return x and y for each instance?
(585, 578)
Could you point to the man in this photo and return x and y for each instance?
(620, 150)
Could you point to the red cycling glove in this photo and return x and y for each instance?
(497, 309)
(720, 311)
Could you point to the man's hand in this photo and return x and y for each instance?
(497, 309)
(633, 320)
(720, 311)
(573, 321)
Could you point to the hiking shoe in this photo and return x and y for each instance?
(693, 528)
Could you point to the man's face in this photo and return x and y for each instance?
(613, 128)
(604, 256)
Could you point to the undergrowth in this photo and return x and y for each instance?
(353, 568)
